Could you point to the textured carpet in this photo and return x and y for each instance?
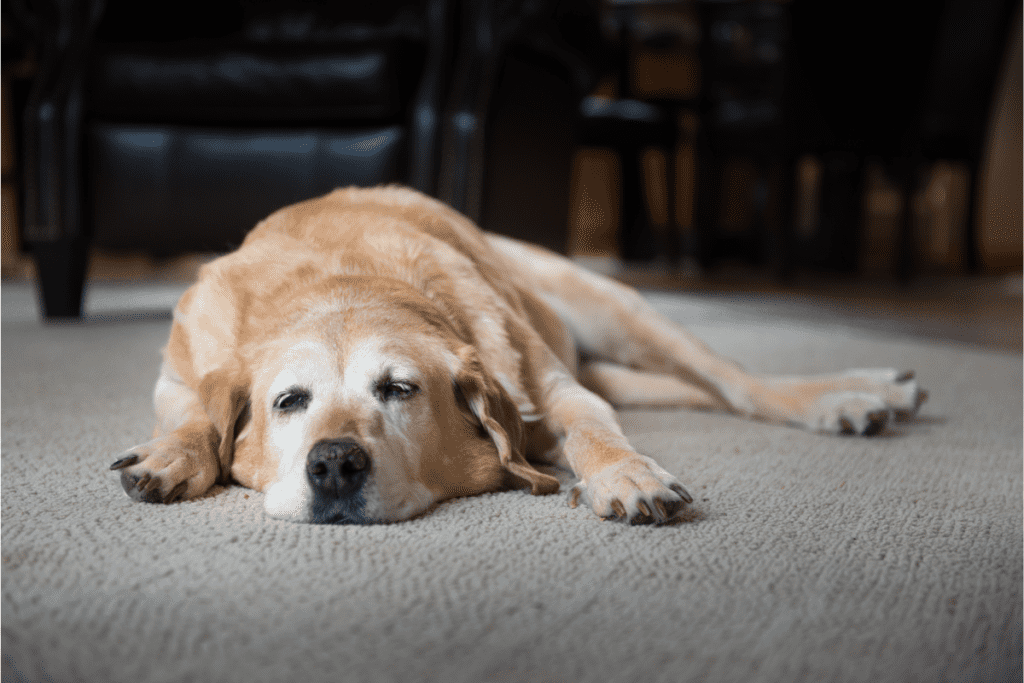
(804, 558)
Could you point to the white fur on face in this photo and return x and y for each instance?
(344, 398)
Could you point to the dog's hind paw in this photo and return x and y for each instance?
(855, 402)
(636, 490)
(907, 396)
(162, 471)
(850, 413)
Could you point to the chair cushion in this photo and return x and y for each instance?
(244, 84)
(167, 189)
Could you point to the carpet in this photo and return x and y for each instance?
(803, 557)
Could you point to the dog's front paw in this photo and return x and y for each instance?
(635, 489)
(164, 471)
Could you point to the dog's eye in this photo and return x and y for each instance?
(292, 399)
(392, 390)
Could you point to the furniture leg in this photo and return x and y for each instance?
(61, 267)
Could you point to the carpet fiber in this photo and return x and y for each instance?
(803, 558)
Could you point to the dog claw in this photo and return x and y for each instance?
(144, 489)
(140, 483)
(646, 516)
(905, 376)
(908, 414)
(682, 493)
(574, 496)
(177, 492)
(876, 422)
(619, 509)
(845, 426)
(126, 461)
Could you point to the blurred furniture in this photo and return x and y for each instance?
(741, 104)
(845, 82)
(168, 126)
(178, 125)
(630, 127)
(520, 70)
(905, 83)
(961, 96)
(745, 122)
(630, 124)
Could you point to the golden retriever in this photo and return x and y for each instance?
(367, 354)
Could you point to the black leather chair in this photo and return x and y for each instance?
(173, 125)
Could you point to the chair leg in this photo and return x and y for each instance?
(837, 243)
(61, 270)
(972, 259)
(781, 254)
(636, 237)
(706, 211)
(905, 171)
(673, 240)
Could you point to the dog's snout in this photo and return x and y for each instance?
(337, 467)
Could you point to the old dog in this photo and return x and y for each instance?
(367, 354)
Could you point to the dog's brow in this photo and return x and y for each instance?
(397, 372)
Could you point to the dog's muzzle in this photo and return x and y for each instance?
(337, 469)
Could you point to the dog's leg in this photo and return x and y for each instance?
(579, 430)
(626, 387)
(180, 461)
(613, 322)
(197, 400)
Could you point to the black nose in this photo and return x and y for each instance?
(337, 468)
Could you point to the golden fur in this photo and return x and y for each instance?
(380, 332)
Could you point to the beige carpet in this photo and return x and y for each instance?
(804, 558)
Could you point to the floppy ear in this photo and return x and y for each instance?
(224, 394)
(493, 409)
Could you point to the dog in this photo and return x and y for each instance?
(369, 353)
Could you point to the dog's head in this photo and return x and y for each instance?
(366, 406)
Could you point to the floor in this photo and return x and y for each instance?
(980, 311)
(983, 311)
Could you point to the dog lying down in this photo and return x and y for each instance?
(367, 354)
